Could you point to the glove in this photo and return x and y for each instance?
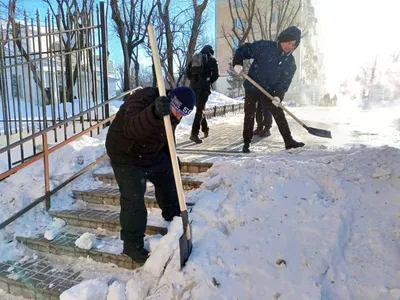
(162, 107)
(238, 69)
(276, 101)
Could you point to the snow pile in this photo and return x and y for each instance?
(116, 291)
(218, 99)
(143, 280)
(294, 228)
(311, 226)
(86, 241)
(56, 225)
(87, 290)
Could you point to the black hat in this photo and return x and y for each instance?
(207, 49)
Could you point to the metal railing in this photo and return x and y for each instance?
(217, 111)
(47, 151)
(50, 72)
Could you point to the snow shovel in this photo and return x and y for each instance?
(185, 241)
(311, 130)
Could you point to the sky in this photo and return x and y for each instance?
(354, 32)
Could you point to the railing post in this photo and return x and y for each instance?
(3, 90)
(46, 170)
(104, 46)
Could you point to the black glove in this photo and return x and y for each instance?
(162, 107)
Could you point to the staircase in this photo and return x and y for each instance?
(56, 265)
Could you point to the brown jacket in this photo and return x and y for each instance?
(136, 136)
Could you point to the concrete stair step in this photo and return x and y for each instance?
(109, 195)
(188, 181)
(195, 167)
(64, 244)
(36, 278)
(106, 219)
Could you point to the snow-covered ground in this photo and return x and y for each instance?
(316, 223)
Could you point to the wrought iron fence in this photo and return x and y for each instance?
(217, 111)
(51, 71)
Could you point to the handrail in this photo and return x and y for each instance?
(45, 155)
(52, 149)
(52, 192)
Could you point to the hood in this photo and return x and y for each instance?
(207, 50)
(291, 31)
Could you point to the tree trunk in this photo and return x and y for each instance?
(137, 69)
(116, 16)
(198, 12)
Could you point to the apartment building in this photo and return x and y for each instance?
(306, 85)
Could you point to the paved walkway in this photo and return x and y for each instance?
(226, 140)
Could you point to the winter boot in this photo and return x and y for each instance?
(138, 254)
(265, 133)
(206, 133)
(291, 144)
(195, 138)
(246, 148)
(258, 131)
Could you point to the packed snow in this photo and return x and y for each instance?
(320, 222)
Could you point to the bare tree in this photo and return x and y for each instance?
(367, 77)
(195, 30)
(163, 11)
(395, 56)
(274, 16)
(173, 46)
(242, 15)
(9, 6)
(131, 18)
(71, 15)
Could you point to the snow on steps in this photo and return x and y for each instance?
(36, 278)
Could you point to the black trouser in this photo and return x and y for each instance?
(250, 101)
(200, 117)
(263, 116)
(132, 186)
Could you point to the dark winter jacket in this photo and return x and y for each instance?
(205, 81)
(136, 136)
(272, 68)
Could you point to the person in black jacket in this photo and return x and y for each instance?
(202, 72)
(137, 146)
(273, 68)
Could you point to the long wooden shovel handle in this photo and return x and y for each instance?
(270, 97)
(167, 120)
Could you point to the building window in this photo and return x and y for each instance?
(275, 17)
(237, 23)
(235, 43)
(238, 3)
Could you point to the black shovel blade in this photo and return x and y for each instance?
(185, 241)
(319, 132)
